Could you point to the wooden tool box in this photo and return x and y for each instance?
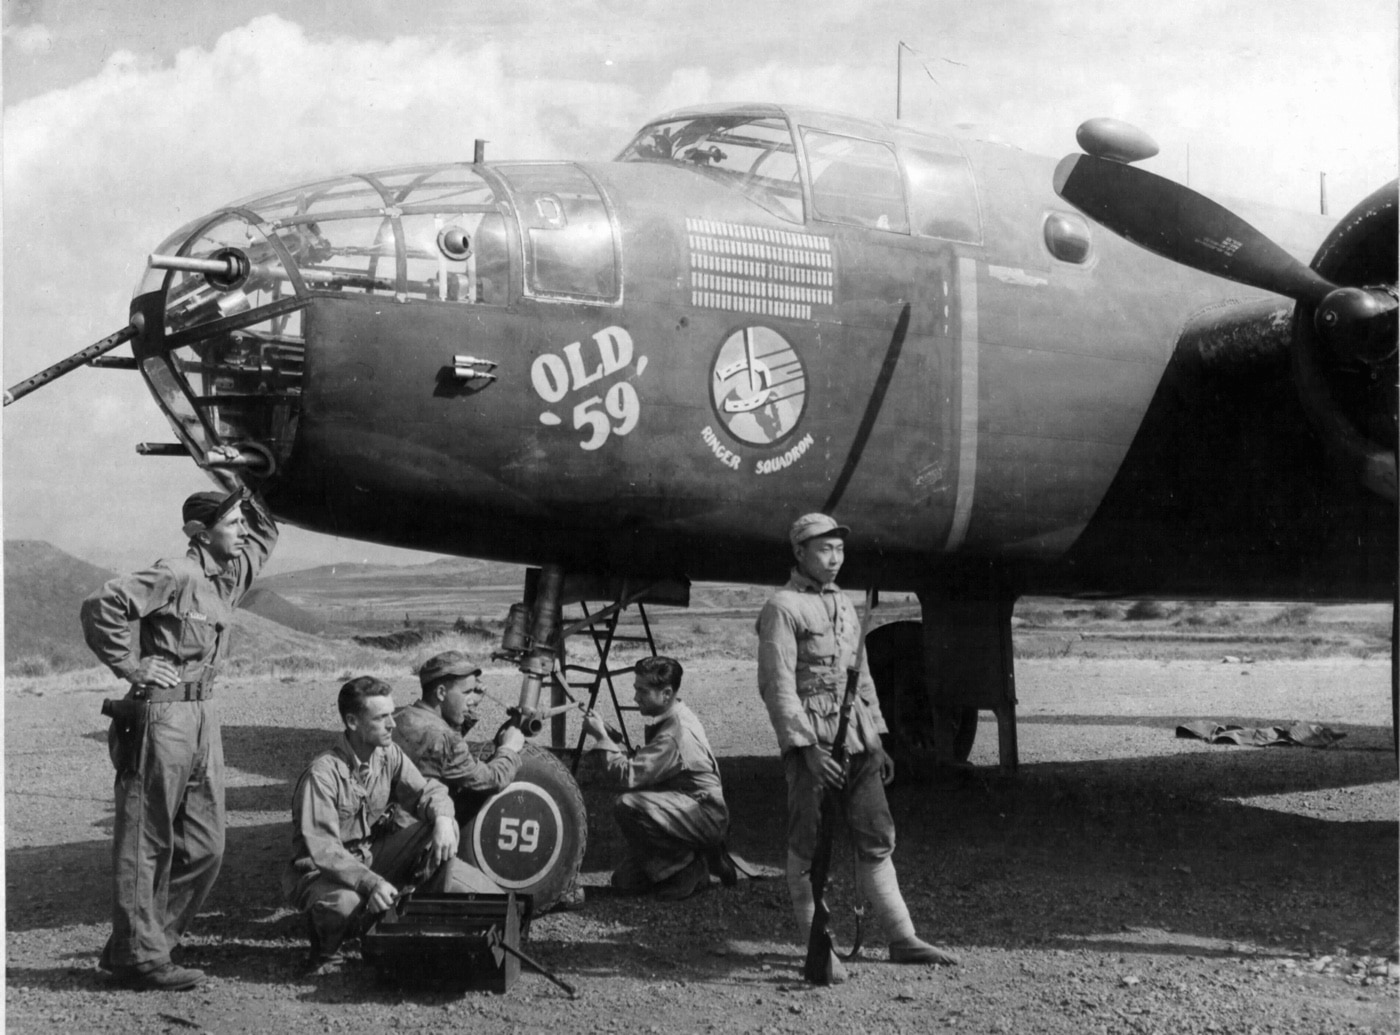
(449, 940)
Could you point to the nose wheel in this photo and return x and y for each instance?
(529, 837)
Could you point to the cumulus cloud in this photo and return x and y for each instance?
(31, 39)
(819, 86)
(99, 173)
(1268, 97)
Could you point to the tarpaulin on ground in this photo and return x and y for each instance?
(1299, 734)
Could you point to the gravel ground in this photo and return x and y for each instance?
(1126, 881)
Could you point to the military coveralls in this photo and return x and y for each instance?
(168, 837)
(807, 636)
(674, 806)
(441, 753)
(347, 835)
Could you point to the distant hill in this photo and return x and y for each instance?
(377, 598)
(258, 640)
(44, 587)
(275, 608)
(449, 571)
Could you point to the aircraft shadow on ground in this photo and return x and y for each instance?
(1071, 854)
(275, 752)
(271, 752)
(1212, 775)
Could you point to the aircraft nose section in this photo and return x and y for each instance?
(226, 297)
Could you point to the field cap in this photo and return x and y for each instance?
(207, 509)
(809, 526)
(450, 664)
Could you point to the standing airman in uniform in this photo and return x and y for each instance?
(808, 635)
(168, 837)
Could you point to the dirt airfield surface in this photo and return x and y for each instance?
(1126, 881)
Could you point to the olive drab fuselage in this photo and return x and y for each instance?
(648, 365)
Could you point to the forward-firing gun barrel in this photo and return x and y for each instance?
(232, 268)
(226, 267)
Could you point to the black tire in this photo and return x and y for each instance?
(542, 860)
(895, 653)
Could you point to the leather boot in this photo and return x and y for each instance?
(686, 882)
(722, 865)
(166, 977)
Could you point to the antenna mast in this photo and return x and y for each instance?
(899, 81)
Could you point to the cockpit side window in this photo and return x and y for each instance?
(942, 195)
(855, 181)
(570, 240)
(754, 155)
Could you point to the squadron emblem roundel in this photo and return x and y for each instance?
(759, 386)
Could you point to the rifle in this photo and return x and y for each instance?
(817, 968)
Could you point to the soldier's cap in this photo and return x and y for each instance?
(450, 664)
(809, 526)
(207, 509)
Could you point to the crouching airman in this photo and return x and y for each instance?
(672, 813)
(365, 824)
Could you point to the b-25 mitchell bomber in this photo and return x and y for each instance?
(1008, 377)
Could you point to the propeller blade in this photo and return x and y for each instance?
(1178, 224)
(63, 366)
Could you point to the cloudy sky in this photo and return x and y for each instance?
(123, 119)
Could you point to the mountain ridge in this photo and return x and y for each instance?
(45, 586)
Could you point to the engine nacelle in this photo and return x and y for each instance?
(1348, 382)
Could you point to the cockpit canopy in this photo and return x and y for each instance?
(755, 155)
(803, 164)
(226, 293)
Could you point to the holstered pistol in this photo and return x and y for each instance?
(127, 734)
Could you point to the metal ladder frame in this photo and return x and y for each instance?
(603, 639)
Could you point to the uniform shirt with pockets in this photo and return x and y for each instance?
(339, 799)
(675, 757)
(184, 605)
(808, 634)
(441, 753)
